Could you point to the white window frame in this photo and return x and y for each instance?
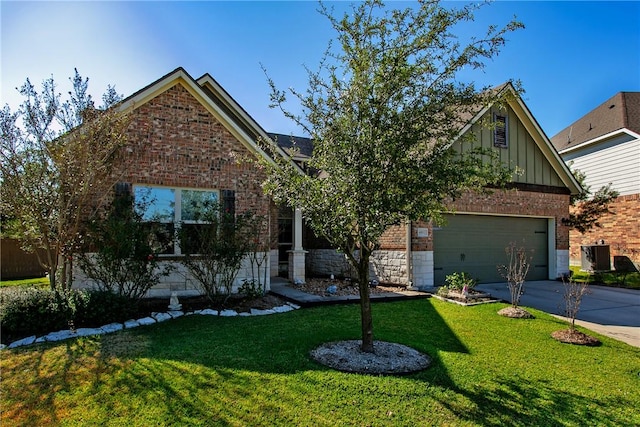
(177, 209)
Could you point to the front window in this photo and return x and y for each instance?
(168, 208)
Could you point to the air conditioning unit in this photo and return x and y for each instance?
(595, 258)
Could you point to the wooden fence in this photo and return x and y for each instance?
(16, 263)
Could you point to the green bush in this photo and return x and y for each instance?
(251, 289)
(103, 307)
(458, 281)
(33, 311)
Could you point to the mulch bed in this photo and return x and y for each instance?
(573, 336)
(515, 313)
(241, 304)
(318, 286)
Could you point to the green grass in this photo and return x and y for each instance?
(631, 281)
(252, 371)
(38, 281)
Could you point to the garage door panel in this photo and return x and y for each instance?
(476, 244)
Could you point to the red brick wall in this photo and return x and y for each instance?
(621, 230)
(180, 144)
(505, 202)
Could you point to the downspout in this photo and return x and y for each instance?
(409, 257)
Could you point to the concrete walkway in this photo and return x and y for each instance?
(281, 288)
(613, 312)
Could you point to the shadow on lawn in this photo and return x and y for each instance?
(248, 370)
(516, 401)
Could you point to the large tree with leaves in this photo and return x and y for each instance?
(58, 167)
(383, 110)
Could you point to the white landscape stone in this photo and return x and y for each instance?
(282, 309)
(112, 327)
(131, 324)
(209, 312)
(256, 312)
(161, 317)
(85, 332)
(146, 321)
(23, 341)
(228, 313)
(175, 314)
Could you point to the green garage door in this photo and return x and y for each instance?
(476, 245)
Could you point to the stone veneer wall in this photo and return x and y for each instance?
(621, 230)
(181, 281)
(386, 266)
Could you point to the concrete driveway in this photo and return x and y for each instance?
(609, 311)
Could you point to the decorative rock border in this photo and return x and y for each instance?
(150, 320)
(470, 302)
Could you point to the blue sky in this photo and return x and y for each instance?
(571, 57)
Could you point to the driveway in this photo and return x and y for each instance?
(609, 311)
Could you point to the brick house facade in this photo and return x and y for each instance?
(190, 135)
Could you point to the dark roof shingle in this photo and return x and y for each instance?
(619, 112)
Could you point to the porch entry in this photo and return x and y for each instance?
(285, 239)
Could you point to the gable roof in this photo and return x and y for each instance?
(515, 102)
(620, 112)
(218, 102)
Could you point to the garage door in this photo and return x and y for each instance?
(476, 244)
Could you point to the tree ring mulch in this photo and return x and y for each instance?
(388, 359)
(573, 336)
(516, 313)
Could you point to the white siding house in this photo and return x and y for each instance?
(605, 145)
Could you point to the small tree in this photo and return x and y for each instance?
(573, 293)
(515, 271)
(55, 174)
(260, 243)
(214, 246)
(383, 111)
(587, 208)
(126, 260)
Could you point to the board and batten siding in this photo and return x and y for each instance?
(615, 161)
(521, 151)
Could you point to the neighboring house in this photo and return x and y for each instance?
(605, 146)
(196, 138)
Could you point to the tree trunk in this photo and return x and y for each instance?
(365, 303)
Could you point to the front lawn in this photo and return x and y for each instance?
(251, 371)
(40, 282)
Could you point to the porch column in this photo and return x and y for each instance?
(297, 254)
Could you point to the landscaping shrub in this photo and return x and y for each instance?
(102, 307)
(251, 289)
(458, 281)
(126, 260)
(32, 311)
